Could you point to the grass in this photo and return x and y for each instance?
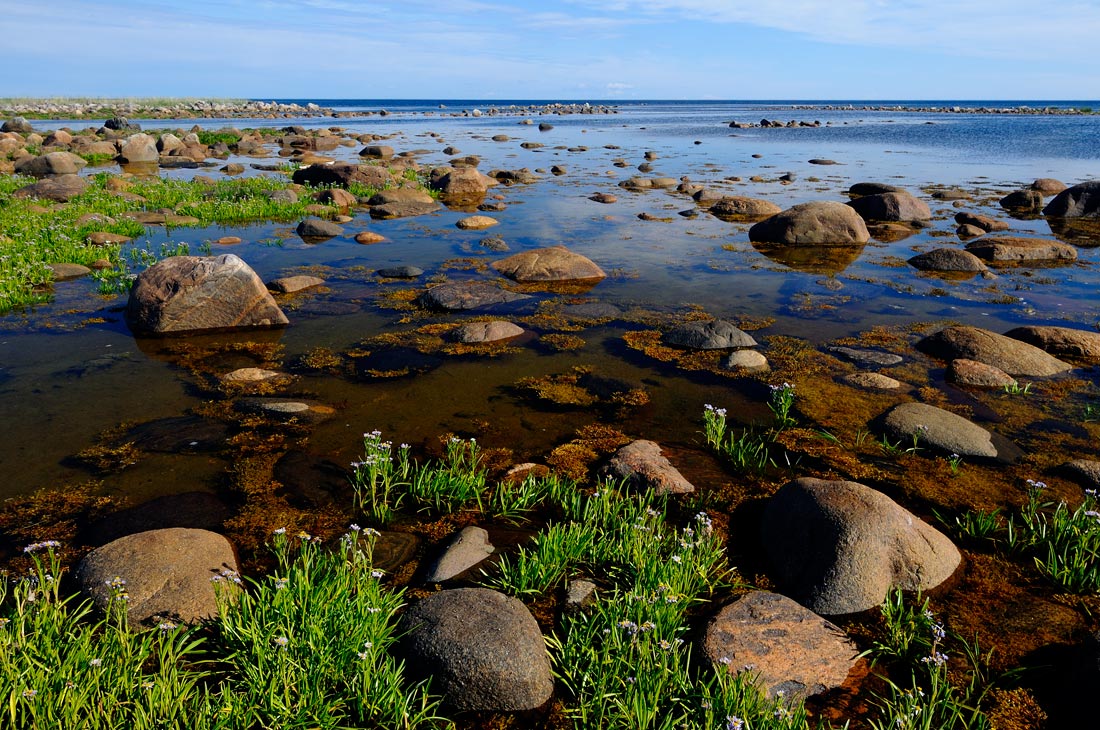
(747, 450)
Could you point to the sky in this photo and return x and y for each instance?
(552, 49)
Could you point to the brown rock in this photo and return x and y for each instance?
(977, 374)
(478, 332)
(368, 237)
(556, 263)
(642, 463)
(984, 222)
(476, 222)
(820, 222)
(871, 381)
(900, 206)
(1048, 186)
(1013, 249)
(1010, 355)
(738, 208)
(1060, 341)
(291, 284)
(106, 238)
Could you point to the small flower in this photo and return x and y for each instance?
(167, 625)
(936, 658)
(676, 559)
(368, 644)
(664, 644)
(281, 641)
(733, 722)
(95, 662)
(364, 655)
(281, 583)
(147, 684)
(354, 527)
(1090, 492)
(29, 693)
(45, 544)
(725, 660)
(371, 532)
(1036, 485)
(280, 531)
(377, 573)
(304, 536)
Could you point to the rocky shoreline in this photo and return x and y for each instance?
(1019, 110)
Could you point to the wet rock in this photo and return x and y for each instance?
(337, 196)
(822, 161)
(389, 211)
(1013, 249)
(1079, 201)
(964, 232)
(228, 240)
(748, 360)
(342, 174)
(369, 237)
(252, 376)
(871, 381)
(637, 183)
(494, 243)
(706, 196)
(317, 228)
(291, 284)
(1076, 344)
(64, 272)
(463, 182)
(891, 207)
(866, 357)
(555, 263)
(468, 548)
(1010, 355)
(952, 194)
(925, 426)
(559, 170)
(458, 296)
(400, 272)
(840, 547)
(977, 375)
(481, 332)
(50, 165)
(984, 222)
(820, 222)
(948, 259)
(1023, 201)
(1085, 470)
(715, 334)
(873, 188)
(377, 152)
(61, 189)
(482, 650)
(1048, 186)
(791, 651)
(476, 222)
(592, 310)
(606, 198)
(737, 208)
(642, 463)
(233, 168)
(167, 573)
(179, 435)
(285, 408)
(194, 293)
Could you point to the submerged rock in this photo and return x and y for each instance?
(1014, 249)
(480, 332)
(715, 334)
(464, 295)
(555, 263)
(1010, 355)
(291, 284)
(737, 208)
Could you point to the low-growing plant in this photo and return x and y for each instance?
(747, 450)
(780, 403)
(1014, 388)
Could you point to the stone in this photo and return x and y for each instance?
(839, 547)
(463, 182)
(317, 228)
(555, 263)
(369, 237)
(476, 222)
(167, 573)
(194, 293)
(820, 222)
(964, 232)
(61, 189)
(468, 548)
(1068, 342)
(646, 468)
(866, 357)
(949, 259)
(951, 194)
(871, 381)
(747, 360)
(715, 334)
(977, 374)
(400, 272)
(1048, 186)
(891, 207)
(51, 164)
(790, 651)
(138, 148)
(377, 152)
(737, 208)
(925, 425)
(228, 240)
(458, 296)
(1010, 355)
(482, 650)
(337, 196)
(341, 174)
(389, 211)
(873, 188)
(252, 375)
(106, 238)
(1023, 201)
(233, 168)
(579, 593)
(481, 332)
(1085, 470)
(1014, 249)
(606, 198)
(1078, 201)
(291, 284)
(19, 125)
(63, 272)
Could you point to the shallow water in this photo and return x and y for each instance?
(66, 377)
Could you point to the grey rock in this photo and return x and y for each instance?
(866, 357)
(1023, 201)
(482, 332)
(468, 548)
(871, 381)
(1079, 201)
(61, 189)
(1014, 250)
(948, 259)
(891, 207)
(928, 426)
(1085, 470)
(873, 188)
(1012, 356)
(465, 295)
(737, 208)
(400, 272)
(138, 148)
(748, 360)
(51, 164)
(579, 594)
(317, 228)
(715, 334)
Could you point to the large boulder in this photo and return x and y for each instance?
(927, 426)
(482, 650)
(138, 148)
(1015, 249)
(948, 259)
(714, 334)
(840, 547)
(1048, 186)
(898, 206)
(341, 174)
(61, 188)
(1060, 341)
(873, 188)
(1079, 201)
(820, 222)
(317, 228)
(555, 263)
(790, 650)
(643, 465)
(463, 182)
(51, 164)
(19, 125)
(165, 573)
(1023, 201)
(737, 208)
(195, 293)
(463, 295)
(1010, 355)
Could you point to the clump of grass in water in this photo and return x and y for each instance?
(747, 450)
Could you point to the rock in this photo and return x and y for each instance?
(121, 124)
(545, 126)
(228, 240)
(480, 332)
(252, 375)
(285, 409)
(840, 547)
(167, 573)
(1085, 470)
(871, 381)
(468, 548)
(388, 211)
(291, 284)
(1013, 249)
(964, 232)
(61, 189)
(337, 196)
(976, 374)
(873, 188)
(138, 148)
(642, 463)
(891, 207)
(812, 223)
(1023, 201)
(579, 594)
(606, 198)
(591, 310)
(715, 334)
(195, 293)
(476, 222)
(19, 125)
(952, 194)
(1079, 201)
(737, 208)
(233, 168)
(822, 161)
(925, 425)
(482, 650)
(463, 182)
(106, 238)
(317, 228)
(458, 296)
(948, 259)
(1048, 186)
(377, 152)
(51, 164)
(1060, 341)
(866, 357)
(368, 237)
(555, 263)
(400, 272)
(341, 174)
(1010, 355)
(984, 222)
(748, 360)
(791, 651)
(706, 196)
(63, 272)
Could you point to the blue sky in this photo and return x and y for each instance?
(553, 49)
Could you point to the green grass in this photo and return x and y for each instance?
(748, 450)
